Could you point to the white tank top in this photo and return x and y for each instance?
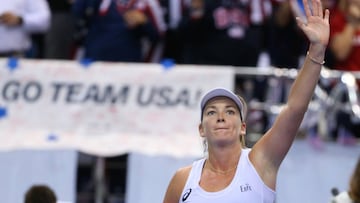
(246, 186)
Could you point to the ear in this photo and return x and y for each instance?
(243, 128)
(201, 130)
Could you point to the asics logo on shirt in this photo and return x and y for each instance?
(186, 194)
(245, 188)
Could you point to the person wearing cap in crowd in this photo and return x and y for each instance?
(352, 195)
(119, 30)
(40, 194)
(231, 172)
(19, 19)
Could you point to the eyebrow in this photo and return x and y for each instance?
(226, 107)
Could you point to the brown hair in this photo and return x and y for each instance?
(354, 191)
(244, 113)
(244, 108)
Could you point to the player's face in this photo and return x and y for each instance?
(221, 120)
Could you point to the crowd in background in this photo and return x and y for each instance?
(241, 33)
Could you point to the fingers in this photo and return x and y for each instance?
(320, 8)
(327, 15)
(307, 8)
(301, 24)
(316, 8)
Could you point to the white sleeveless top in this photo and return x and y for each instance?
(342, 197)
(246, 186)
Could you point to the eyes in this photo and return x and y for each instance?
(212, 112)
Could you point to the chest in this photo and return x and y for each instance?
(233, 193)
(215, 182)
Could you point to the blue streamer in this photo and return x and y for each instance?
(167, 63)
(301, 5)
(3, 112)
(52, 137)
(13, 63)
(86, 62)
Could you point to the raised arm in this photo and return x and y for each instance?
(271, 149)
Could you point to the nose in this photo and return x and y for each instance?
(220, 118)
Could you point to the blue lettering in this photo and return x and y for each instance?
(164, 97)
(141, 94)
(92, 94)
(183, 97)
(10, 91)
(77, 93)
(32, 91)
(13, 91)
(167, 97)
(122, 94)
(58, 87)
(108, 95)
(73, 91)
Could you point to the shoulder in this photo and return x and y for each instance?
(183, 173)
(177, 184)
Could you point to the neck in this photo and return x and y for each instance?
(220, 171)
(223, 160)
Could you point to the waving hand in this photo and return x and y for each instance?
(316, 28)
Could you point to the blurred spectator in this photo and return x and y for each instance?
(345, 46)
(18, 20)
(114, 30)
(353, 194)
(58, 42)
(40, 194)
(286, 42)
(223, 32)
(286, 45)
(345, 35)
(329, 55)
(172, 11)
(226, 32)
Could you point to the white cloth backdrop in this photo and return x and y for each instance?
(19, 170)
(307, 175)
(99, 108)
(104, 108)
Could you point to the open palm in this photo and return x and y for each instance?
(317, 28)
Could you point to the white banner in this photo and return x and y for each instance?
(104, 108)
